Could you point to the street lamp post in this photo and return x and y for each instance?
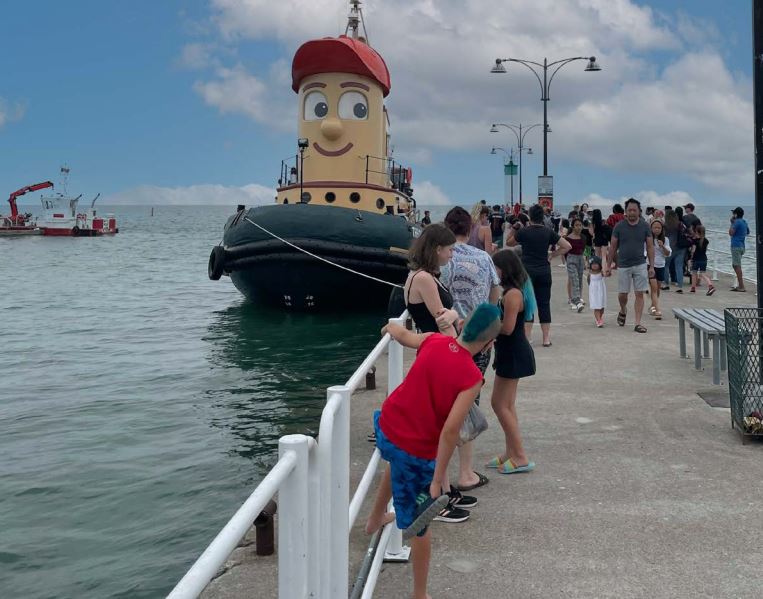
(520, 133)
(545, 85)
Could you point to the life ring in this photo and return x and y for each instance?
(75, 231)
(216, 264)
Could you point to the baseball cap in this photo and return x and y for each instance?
(738, 211)
(690, 206)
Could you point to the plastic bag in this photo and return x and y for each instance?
(474, 424)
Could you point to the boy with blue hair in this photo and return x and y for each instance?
(418, 427)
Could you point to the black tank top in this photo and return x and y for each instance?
(424, 320)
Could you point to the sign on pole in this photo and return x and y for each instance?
(545, 186)
(510, 169)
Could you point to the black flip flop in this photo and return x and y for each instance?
(483, 480)
(621, 319)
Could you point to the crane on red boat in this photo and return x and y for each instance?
(20, 192)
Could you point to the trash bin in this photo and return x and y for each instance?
(744, 336)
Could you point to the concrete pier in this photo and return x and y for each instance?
(642, 489)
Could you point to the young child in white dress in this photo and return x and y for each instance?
(597, 291)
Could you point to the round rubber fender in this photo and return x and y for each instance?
(75, 231)
(216, 264)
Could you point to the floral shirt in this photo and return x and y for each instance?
(470, 275)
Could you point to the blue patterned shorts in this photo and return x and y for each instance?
(410, 475)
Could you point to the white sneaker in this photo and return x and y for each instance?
(573, 306)
(580, 307)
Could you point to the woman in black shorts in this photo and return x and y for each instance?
(514, 359)
(536, 239)
(602, 234)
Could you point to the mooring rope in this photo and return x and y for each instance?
(296, 247)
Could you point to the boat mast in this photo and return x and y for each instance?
(355, 22)
(64, 180)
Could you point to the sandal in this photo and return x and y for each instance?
(711, 290)
(621, 319)
(657, 315)
(652, 310)
(509, 468)
(639, 328)
(494, 463)
(483, 480)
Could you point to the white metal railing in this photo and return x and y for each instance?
(315, 514)
(718, 258)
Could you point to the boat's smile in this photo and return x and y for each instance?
(344, 150)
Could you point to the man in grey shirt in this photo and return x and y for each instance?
(626, 253)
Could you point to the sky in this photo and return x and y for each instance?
(190, 102)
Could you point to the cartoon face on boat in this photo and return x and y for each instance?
(341, 84)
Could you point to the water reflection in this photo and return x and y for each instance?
(272, 368)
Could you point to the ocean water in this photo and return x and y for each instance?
(141, 402)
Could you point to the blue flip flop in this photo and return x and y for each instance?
(508, 468)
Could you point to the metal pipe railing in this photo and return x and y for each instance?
(312, 480)
(209, 562)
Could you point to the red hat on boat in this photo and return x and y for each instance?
(339, 55)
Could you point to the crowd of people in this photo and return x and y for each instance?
(476, 284)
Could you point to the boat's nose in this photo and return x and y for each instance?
(331, 129)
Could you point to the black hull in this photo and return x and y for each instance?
(266, 269)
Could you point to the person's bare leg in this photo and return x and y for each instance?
(740, 278)
(466, 474)
(654, 296)
(638, 306)
(379, 515)
(545, 328)
(598, 314)
(529, 330)
(503, 402)
(694, 279)
(421, 553)
(622, 299)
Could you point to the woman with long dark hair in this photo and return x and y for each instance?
(601, 232)
(429, 302)
(536, 239)
(514, 359)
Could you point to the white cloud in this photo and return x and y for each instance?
(252, 194)
(11, 112)
(235, 90)
(691, 121)
(646, 197)
(198, 56)
(428, 194)
(692, 118)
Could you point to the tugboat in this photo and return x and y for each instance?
(344, 217)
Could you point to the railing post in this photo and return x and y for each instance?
(395, 551)
(294, 503)
(715, 266)
(335, 499)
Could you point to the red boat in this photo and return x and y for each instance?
(59, 215)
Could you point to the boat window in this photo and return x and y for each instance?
(354, 197)
(379, 203)
(286, 200)
(330, 196)
(316, 106)
(306, 197)
(353, 106)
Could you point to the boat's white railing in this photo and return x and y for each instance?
(315, 513)
(720, 260)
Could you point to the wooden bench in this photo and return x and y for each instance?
(707, 325)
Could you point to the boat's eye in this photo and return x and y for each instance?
(353, 106)
(316, 106)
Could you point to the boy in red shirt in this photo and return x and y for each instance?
(418, 429)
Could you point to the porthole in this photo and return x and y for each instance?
(380, 203)
(330, 196)
(306, 197)
(286, 200)
(354, 197)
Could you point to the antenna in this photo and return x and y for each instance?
(64, 179)
(355, 22)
